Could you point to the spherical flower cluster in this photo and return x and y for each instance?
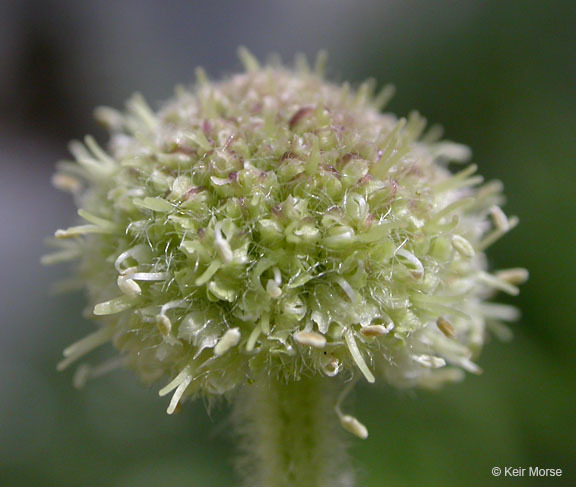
(275, 223)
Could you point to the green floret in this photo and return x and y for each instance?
(277, 223)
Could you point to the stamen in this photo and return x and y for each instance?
(109, 117)
(502, 312)
(162, 321)
(159, 205)
(463, 246)
(86, 372)
(418, 272)
(496, 234)
(500, 218)
(497, 283)
(391, 149)
(513, 276)
(277, 276)
(139, 107)
(357, 356)
(98, 152)
(330, 365)
(352, 425)
(349, 423)
(148, 276)
(310, 339)
(452, 151)
(459, 180)
(229, 339)
(440, 377)
(374, 330)
(502, 332)
(65, 182)
(164, 324)
(93, 166)
(253, 337)
(415, 126)
(84, 346)
(490, 189)
(457, 205)
(114, 306)
(365, 91)
(128, 286)
(62, 256)
(434, 304)
(470, 366)
(273, 290)
(138, 253)
(429, 361)
(174, 402)
(265, 323)
(174, 383)
(384, 96)
(445, 327)
(79, 230)
(208, 273)
(347, 288)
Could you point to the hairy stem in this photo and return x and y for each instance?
(290, 435)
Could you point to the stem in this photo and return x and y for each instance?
(290, 434)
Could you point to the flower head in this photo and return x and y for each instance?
(276, 223)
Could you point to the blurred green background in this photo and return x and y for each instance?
(500, 76)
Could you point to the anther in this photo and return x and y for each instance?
(445, 327)
(229, 339)
(310, 339)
